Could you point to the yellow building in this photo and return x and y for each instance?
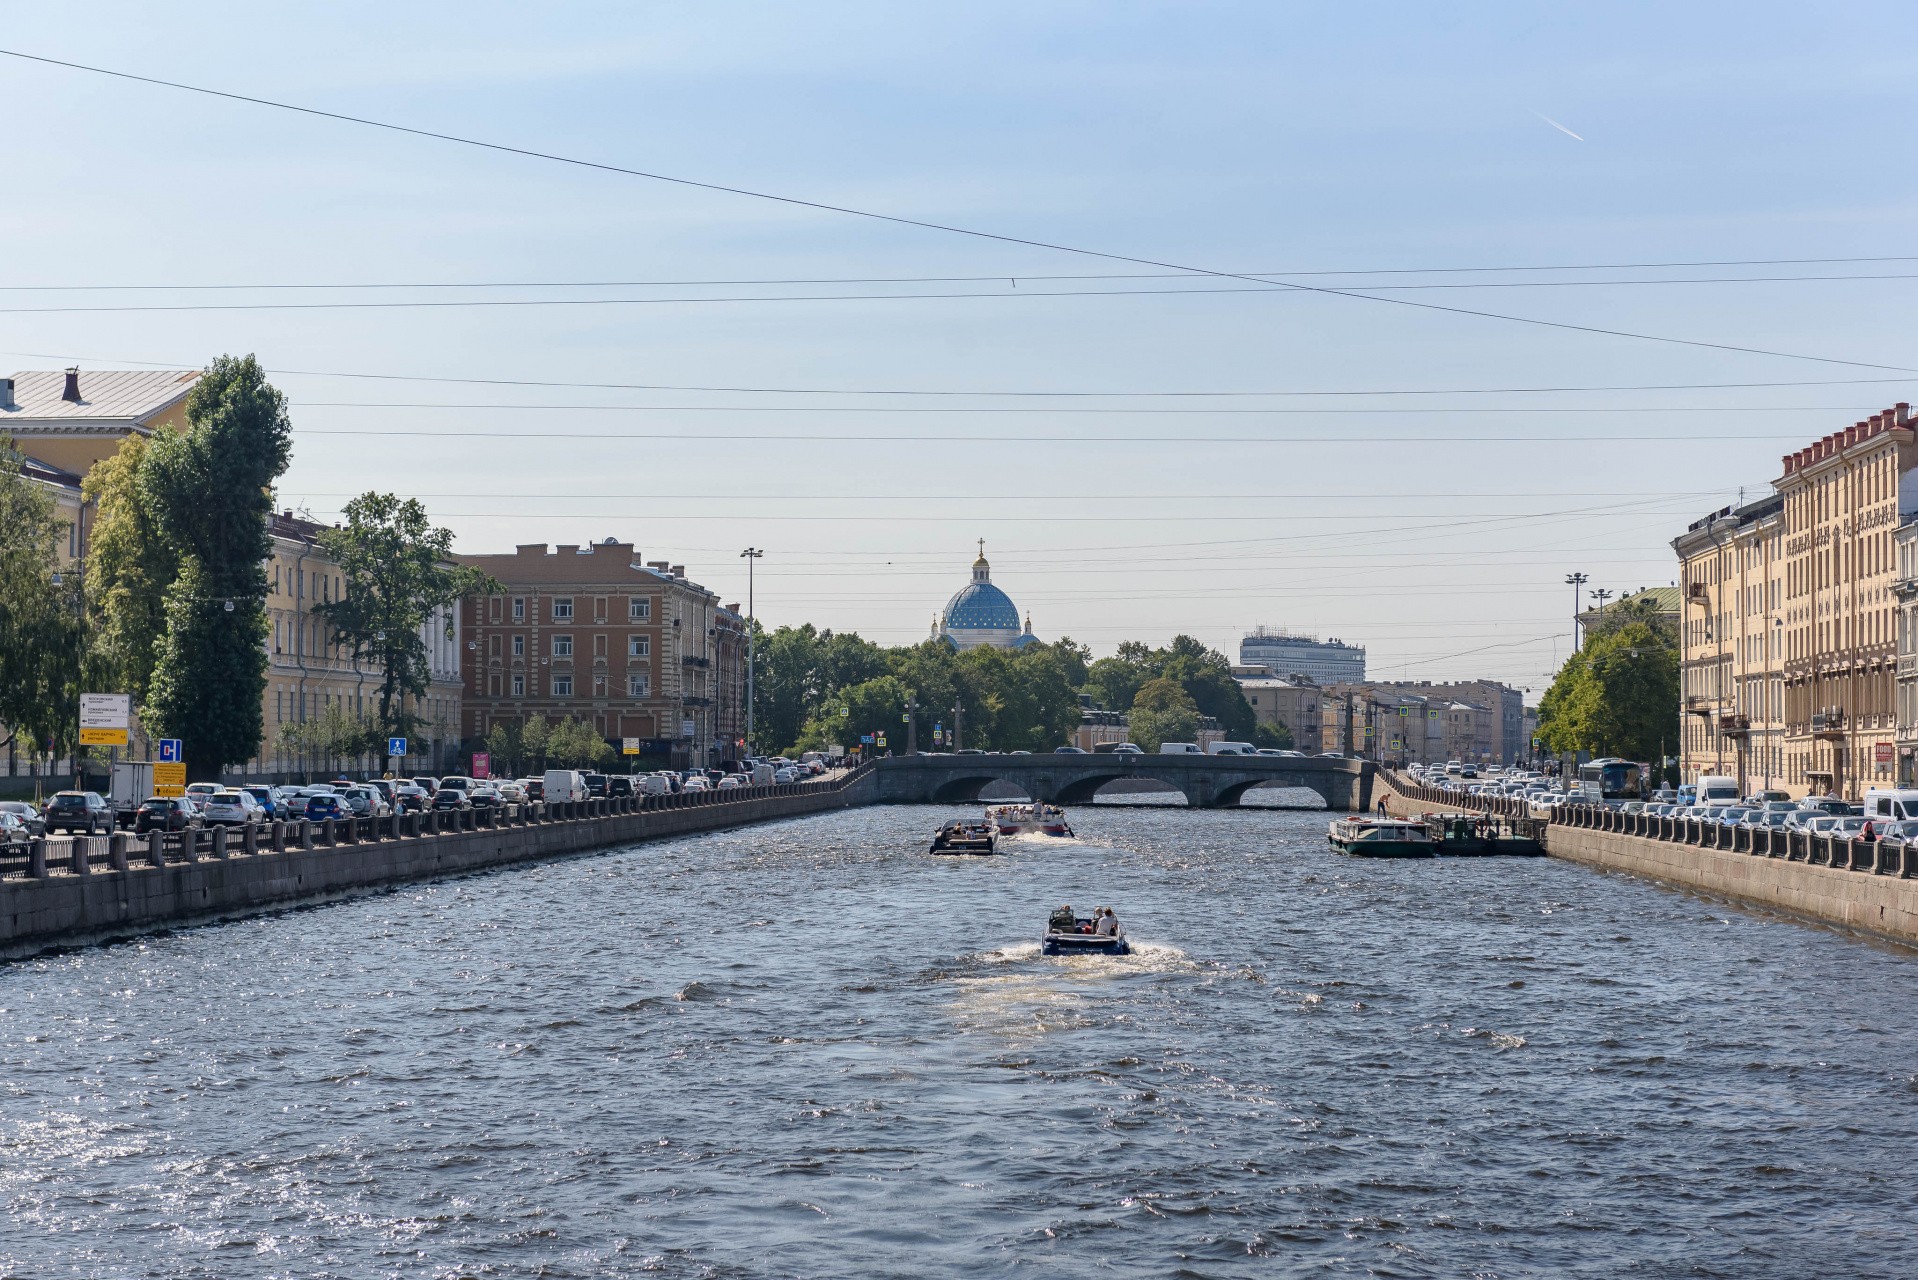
(71, 420)
(1731, 636)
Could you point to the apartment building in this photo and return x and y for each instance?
(1789, 666)
(594, 633)
(1288, 702)
(1905, 589)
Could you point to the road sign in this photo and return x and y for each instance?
(866, 738)
(169, 774)
(168, 791)
(105, 710)
(103, 737)
(170, 752)
(629, 746)
(396, 746)
(844, 712)
(687, 728)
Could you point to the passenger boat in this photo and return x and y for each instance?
(1011, 819)
(1060, 941)
(966, 837)
(1382, 838)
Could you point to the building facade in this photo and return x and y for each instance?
(1288, 702)
(594, 634)
(1499, 735)
(1905, 589)
(1731, 641)
(1290, 653)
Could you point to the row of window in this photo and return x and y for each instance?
(638, 608)
(293, 581)
(638, 685)
(636, 646)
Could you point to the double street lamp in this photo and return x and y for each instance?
(751, 556)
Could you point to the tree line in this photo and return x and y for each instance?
(1618, 695)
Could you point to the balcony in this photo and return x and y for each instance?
(1701, 704)
(1829, 723)
(694, 660)
(1733, 725)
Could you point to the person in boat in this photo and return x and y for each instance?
(1062, 920)
(1108, 926)
(1085, 926)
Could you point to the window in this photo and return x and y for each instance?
(639, 609)
(519, 608)
(562, 646)
(562, 686)
(599, 645)
(519, 686)
(639, 646)
(563, 609)
(639, 686)
(519, 646)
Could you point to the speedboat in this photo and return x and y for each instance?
(1081, 941)
(965, 837)
(1382, 838)
(1011, 819)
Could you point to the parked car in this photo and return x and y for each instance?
(233, 809)
(619, 786)
(409, 798)
(511, 792)
(165, 813)
(535, 788)
(1122, 749)
(13, 830)
(730, 782)
(36, 825)
(596, 785)
(483, 795)
(325, 804)
(564, 784)
(1852, 828)
(1068, 751)
(450, 799)
(365, 802)
(83, 811)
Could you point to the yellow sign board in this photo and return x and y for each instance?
(169, 775)
(103, 737)
(168, 791)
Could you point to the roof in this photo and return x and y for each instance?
(114, 394)
(980, 606)
(46, 473)
(1666, 600)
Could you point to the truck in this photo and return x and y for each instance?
(130, 785)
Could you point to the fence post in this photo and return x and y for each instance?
(37, 858)
(117, 850)
(219, 842)
(77, 850)
(156, 847)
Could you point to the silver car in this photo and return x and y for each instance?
(231, 809)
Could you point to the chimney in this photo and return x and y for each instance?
(1904, 413)
(6, 393)
(568, 548)
(678, 571)
(657, 566)
(73, 384)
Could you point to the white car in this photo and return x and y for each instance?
(232, 809)
(511, 792)
(730, 782)
(696, 783)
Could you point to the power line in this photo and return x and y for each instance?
(923, 224)
(1049, 410)
(813, 437)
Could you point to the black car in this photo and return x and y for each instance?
(619, 786)
(450, 798)
(82, 811)
(162, 813)
(35, 824)
(596, 785)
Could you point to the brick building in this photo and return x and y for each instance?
(592, 633)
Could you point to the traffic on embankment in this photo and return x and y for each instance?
(61, 891)
(1866, 884)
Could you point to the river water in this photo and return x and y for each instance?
(809, 1049)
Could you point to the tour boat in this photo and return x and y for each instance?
(1011, 819)
(965, 837)
(1062, 942)
(1382, 838)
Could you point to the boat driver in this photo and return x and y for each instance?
(1062, 921)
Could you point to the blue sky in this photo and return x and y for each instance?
(1236, 137)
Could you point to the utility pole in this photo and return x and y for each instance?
(958, 722)
(1349, 715)
(1576, 581)
(751, 556)
(912, 725)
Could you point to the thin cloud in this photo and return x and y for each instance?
(1556, 125)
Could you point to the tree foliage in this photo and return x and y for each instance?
(1203, 673)
(131, 565)
(39, 623)
(1617, 696)
(1162, 711)
(396, 569)
(210, 492)
(334, 737)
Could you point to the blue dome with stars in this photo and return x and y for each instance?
(980, 606)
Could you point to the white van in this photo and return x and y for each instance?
(652, 784)
(1717, 791)
(564, 784)
(1229, 749)
(763, 775)
(1180, 749)
(1884, 803)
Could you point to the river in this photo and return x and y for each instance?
(808, 1049)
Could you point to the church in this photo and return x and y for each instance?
(981, 614)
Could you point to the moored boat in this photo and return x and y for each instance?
(965, 837)
(1382, 838)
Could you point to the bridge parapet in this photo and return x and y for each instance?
(1208, 782)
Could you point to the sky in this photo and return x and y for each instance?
(545, 352)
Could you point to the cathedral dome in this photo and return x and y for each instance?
(980, 606)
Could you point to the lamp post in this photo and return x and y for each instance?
(79, 662)
(751, 556)
(1576, 581)
(1601, 594)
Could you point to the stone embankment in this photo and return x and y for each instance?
(1867, 885)
(60, 893)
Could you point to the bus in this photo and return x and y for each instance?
(1611, 780)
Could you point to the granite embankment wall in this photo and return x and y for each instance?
(73, 893)
(1865, 885)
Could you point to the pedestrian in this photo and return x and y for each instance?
(1382, 809)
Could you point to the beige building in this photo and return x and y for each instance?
(1731, 648)
(1290, 702)
(71, 419)
(1905, 548)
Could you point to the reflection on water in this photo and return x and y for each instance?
(810, 1049)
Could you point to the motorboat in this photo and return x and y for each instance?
(966, 837)
(1382, 838)
(1080, 940)
(1013, 819)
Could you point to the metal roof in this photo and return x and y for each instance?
(119, 395)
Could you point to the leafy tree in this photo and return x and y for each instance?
(876, 705)
(333, 737)
(39, 623)
(1113, 683)
(577, 743)
(1616, 696)
(130, 567)
(1278, 737)
(396, 570)
(798, 668)
(210, 492)
(1163, 712)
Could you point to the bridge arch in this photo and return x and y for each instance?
(966, 787)
(1082, 788)
(1232, 794)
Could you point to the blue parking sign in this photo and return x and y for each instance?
(396, 746)
(170, 752)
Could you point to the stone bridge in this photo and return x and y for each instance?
(1208, 782)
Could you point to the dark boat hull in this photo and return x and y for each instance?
(1083, 944)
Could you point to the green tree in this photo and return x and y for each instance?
(1163, 712)
(1617, 696)
(577, 743)
(1206, 677)
(39, 623)
(397, 570)
(1112, 683)
(871, 706)
(131, 566)
(1277, 737)
(210, 491)
(798, 669)
(333, 738)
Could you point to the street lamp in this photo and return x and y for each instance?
(751, 556)
(1576, 581)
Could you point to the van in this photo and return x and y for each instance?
(1180, 749)
(458, 782)
(652, 784)
(1230, 749)
(561, 785)
(1887, 804)
(1717, 790)
(763, 775)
